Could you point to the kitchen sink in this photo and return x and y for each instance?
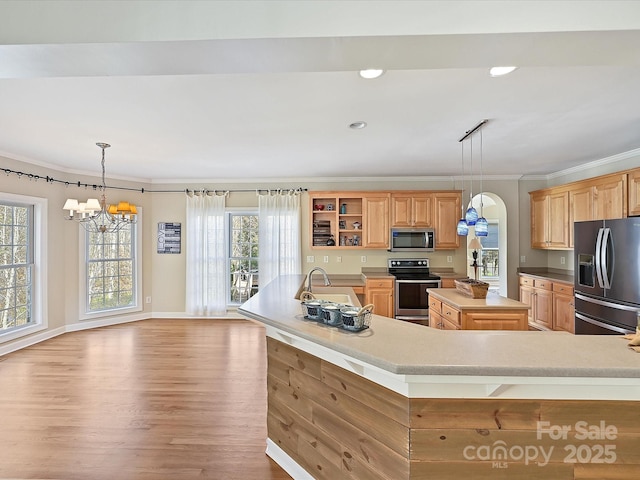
(334, 297)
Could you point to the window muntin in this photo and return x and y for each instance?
(243, 255)
(111, 270)
(16, 265)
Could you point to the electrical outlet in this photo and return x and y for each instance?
(339, 259)
(310, 259)
(147, 300)
(562, 260)
(363, 259)
(325, 259)
(449, 259)
(523, 259)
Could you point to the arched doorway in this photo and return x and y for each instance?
(492, 259)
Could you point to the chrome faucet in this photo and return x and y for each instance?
(324, 274)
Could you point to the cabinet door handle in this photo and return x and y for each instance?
(448, 313)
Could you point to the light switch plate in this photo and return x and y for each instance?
(310, 259)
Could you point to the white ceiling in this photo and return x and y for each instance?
(216, 91)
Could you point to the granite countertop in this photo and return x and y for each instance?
(555, 275)
(406, 348)
(463, 302)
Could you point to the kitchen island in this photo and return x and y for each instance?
(451, 310)
(400, 401)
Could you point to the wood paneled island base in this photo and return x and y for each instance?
(336, 424)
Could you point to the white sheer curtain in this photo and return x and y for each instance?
(279, 234)
(206, 262)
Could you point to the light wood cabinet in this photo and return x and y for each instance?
(375, 210)
(445, 316)
(543, 304)
(633, 185)
(539, 296)
(379, 292)
(551, 304)
(550, 220)
(610, 195)
(554, 210)
(563, 308)
(353, 220)
(446, 214)
(580, 207)
(412, 209)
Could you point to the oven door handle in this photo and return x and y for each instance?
(429, 282)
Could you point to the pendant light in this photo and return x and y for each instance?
(472, 214)
(462, 228)
(470, 218)
(482, 226)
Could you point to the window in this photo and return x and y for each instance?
(243, 255)
(22, 255)
(490, 254)
(110, 272)
(16, 262)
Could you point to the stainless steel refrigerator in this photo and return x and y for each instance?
(607, 276)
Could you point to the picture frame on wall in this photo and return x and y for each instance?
(169, 237)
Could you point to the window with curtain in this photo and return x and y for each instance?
(207, 275)
(22, 265)
(279, 234)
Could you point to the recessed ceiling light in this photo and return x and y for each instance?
(371, 73)
(358, 125)
(498, 71)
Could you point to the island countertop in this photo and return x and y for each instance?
(461, 302)
(407, 349)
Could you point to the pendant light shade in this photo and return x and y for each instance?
(463, 228)
(482, 227)
(471, 216)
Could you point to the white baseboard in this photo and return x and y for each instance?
(25, 342)
(287, 463)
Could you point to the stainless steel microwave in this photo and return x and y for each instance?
(412, 240)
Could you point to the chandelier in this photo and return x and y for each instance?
(95, 215)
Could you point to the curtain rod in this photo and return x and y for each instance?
(474, 129)
(95, 186)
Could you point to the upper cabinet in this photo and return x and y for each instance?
(349, 220)
(634, 193)
(375, 208)
(554, 210)
(550, 220)
(359, 219)
(412, 209)
(580, 207)
(610, 195)
(446, 213)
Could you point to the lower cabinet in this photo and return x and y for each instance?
(379, 292)
(551, 304)
(443, 316)
(447, 317)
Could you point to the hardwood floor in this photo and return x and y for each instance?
(156, 399)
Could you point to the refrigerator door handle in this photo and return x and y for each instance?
(606, 280)
(602, 325)
(604, 303)
(599, 257)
